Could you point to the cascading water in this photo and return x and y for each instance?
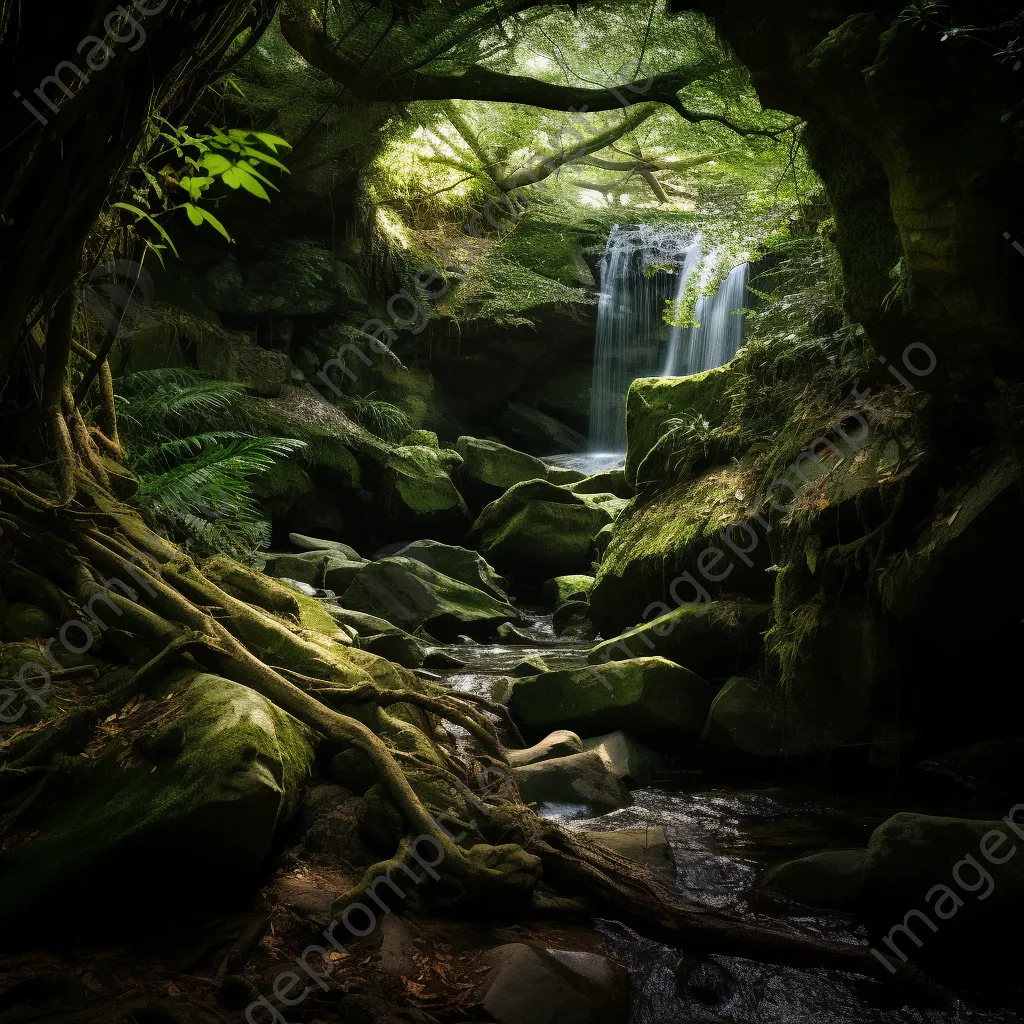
(633, 339)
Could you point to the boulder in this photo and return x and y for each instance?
(649, 697)
(572, 620)
(490, 468)
(537, 432)
(747, 720)
(232, 355)
(312, 567)
(508, 634)
(187, 788)
(654, 400)
(715, 639)
(826, 881)
(644, 845)
(409, 594)
(629, 760)
(335, 547)
(561, 743)
(674, 549)
(379, 636)
(418, 490)
(421, 437)
(537, 529)
(578, 785)
(533, 986)
(459, 563)
(560, 589)
(965, 877)
(611, 481)
(21, 621)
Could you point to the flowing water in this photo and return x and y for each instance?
(633, 339)
(722, 837)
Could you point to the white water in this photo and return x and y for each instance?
(633, 339)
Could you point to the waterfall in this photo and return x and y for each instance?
(631, 331)
(633, 339)
(719, 331)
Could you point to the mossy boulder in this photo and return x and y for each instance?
(409, 594)
(459, 563)
(651, 698)
(832, 880)
(715, 640)
(537, 529)
(748, 722)
(21, 621)
(282, 487)
(421, 437)
(418, 490)
(654, 400)
(490, 468)
(379, 636)
(611, 481)
(686, 545)
(923, 863)
(321, 569)
(187, 788)
(560, 589)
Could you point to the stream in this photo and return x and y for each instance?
(722, 836)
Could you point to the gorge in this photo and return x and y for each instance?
(508, 513)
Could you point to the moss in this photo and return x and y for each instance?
(560, 589)
(419, 487)
(225, 767)
(653, 402)
(648, 697)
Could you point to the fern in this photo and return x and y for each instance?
(200, 484)
(379, 417)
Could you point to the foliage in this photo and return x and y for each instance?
(379, 417)
(180, 171)
(197, 480)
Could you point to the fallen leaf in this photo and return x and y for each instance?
(173, 990)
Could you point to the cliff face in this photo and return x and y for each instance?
(911, 133)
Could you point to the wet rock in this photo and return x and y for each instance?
(644, 845)
(508, 634)
(561, 589)
(538, 530)
(561, 743)
(650, 697)
(826, 881)
(441, 659)
(707, 982)
(531, 986)
(378, 636)
(714, 639)
(581, 781)
(630, 760)
(459, 563)
(410, 594)
(572, 620)
(611, 481)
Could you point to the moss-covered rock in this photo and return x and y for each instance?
(188, 788)
(649, 697)
(490, 468)
(748, 722)
(421, 437)
(688, 544)
(611, 481)
(537, 529)
(560, 589)
(21, 621)
(418, 490)
(827, 881)
(459, 563)
(337, 547)
(409, 594)
(654, 400)
(715, 639)
(321, 569)
(379, 636)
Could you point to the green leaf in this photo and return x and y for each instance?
(217, 164)
(255, 154)
(243, 177)
(194, 214)
(142, 215)
(198, 215)
(272, 141)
